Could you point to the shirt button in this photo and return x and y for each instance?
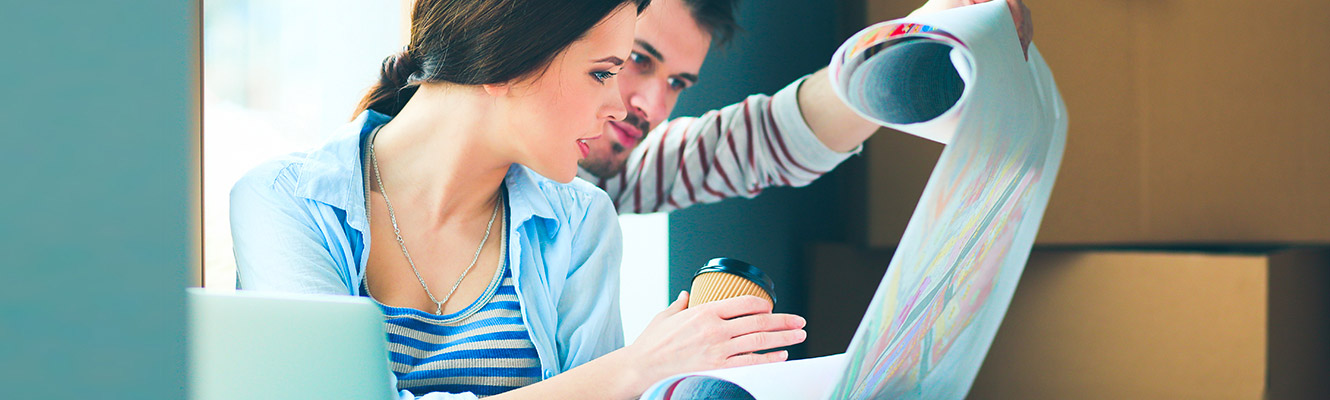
(549, 373)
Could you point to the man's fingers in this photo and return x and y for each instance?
(1029, 27)
(754, 359)
(1020, 14)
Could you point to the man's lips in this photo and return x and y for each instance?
(625, 133)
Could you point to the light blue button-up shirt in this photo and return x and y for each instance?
(298, 223)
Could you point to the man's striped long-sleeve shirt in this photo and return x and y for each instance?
(738, 150)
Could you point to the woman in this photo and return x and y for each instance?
(489, 99)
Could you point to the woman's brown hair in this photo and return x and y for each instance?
(477, 42)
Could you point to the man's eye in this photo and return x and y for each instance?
(677, 84)
(638, 58)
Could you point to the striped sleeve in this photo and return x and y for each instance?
(738, 150)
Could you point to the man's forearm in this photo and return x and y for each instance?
(735, 151)
(832, 121)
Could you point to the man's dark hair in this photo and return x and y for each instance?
(716, 16)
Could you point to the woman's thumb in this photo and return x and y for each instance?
(680, 303)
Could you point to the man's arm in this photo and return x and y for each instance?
(738, 150)
(832, 121)
(789, 139)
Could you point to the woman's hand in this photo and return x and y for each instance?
(1019, 14)
(719, 334)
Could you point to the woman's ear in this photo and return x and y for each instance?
(496, 89)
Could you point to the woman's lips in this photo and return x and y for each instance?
(584, 146)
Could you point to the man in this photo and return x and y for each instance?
(648, 164)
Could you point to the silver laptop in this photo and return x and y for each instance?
(247, 345)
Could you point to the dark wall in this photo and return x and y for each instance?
(97, 103)
(782, 41)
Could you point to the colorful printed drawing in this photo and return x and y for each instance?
(949, 284)
(937, 309)
(952, 274)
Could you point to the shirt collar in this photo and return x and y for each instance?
(334, 174)
(528, 198)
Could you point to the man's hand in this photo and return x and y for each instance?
(1019, 14)
(837, 126)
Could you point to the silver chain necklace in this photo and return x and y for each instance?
(438, 305)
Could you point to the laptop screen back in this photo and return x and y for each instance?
(246, 345)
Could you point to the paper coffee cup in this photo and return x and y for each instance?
(723, 278)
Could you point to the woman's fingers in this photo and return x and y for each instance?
(717, 334)
(679, 303)
(762, 323)
(754, 359)
(763, 341)
(737, 307)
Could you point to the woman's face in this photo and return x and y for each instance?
(554, 112)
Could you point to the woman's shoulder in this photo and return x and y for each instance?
(572, 201)
(322, 171)
(277, 175)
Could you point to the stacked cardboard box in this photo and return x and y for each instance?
(1196, 128)
(1125, 324)
(1168, 325)
(1191, 123)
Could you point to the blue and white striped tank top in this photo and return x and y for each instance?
(484, 349)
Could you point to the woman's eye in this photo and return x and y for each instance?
(602, 76)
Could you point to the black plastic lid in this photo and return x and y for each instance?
(743, 269)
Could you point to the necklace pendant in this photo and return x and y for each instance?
(392, 216)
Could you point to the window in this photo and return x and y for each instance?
(279, 76)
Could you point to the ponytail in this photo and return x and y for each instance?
(394, 88)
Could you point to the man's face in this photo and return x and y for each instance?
(668, 51)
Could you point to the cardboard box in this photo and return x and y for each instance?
(1132, 326)
(1125, 325)
(1135, 325)
(1192, 122)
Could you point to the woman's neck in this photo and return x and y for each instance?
(437, 155)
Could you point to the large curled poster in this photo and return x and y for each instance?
(958, 77)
